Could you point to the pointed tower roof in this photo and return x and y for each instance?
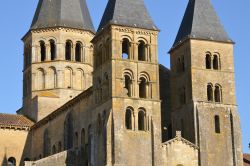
(200, 21)
(62, 13)
(131, 13)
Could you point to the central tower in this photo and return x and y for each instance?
(126, 77)
(58, 56)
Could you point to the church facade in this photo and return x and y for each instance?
(95, 98)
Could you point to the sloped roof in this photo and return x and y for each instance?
(12, 121)
(200, 21)
(246, 159)
(132, 13)
(62, 13)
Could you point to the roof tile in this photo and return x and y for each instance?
(131, 13)
(15, 120)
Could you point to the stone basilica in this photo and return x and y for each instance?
(101, 98)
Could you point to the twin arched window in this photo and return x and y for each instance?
(214, 93)
(126, 50)
(143, 83)
(212, 61)
(43, 52)
(129, 119)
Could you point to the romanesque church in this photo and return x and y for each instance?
(101, 98)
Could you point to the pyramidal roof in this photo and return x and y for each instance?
(131, 13)
(200, 21)
(62, 13)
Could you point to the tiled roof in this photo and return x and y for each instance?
(200, 21)
(62, 13)
(132, 13)
(14, 121)
(246, 159)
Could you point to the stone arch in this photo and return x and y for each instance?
(68, 50)
(52, 78)
(218, 93)
(129, 118)
(83, 142)
(141, 119)
(208, 60)
(128, 82)
(216, 61)
(40, 79)
(79, 79)
(142, 50)
(144, 87)
(68, 132)
(210, 96)
(68, 77)
(52, 49)
(126, 47)
(42, 51)
(46, 143)
(79, 51)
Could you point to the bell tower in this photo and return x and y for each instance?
(204, 104)
(126, 77)
(58, 56)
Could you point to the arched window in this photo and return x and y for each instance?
(46, 143)
(142, 51)
(217, 124)
(83, 138)
(128, 85)
(99, 124)
(11, 161)
(59, 147)
(216, 62)
(40, 79)
(209, 92)
(54, 149)
(42, 51)
(68, 132)
(143, 88)
(52, 50)
(217, 93)
(90, 151)
(78, 52)
(68, 50)
(68, 78)
(128, 118)
(208, 61)
(125, 49)
(141, 120)
(76, 140)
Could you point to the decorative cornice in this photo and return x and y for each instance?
(178, 138)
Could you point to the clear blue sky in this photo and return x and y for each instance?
(16, 17)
